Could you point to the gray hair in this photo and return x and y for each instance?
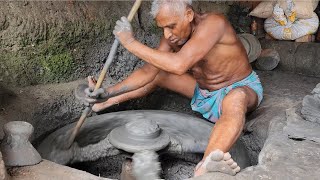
(179, 5)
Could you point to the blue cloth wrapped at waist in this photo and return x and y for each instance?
(209, 103)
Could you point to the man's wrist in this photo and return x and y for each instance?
(128, 42)
(105, 94)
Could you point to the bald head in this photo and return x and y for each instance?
(178, 6)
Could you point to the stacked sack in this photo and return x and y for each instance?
(288, 19)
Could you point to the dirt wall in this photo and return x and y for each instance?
(49, 42)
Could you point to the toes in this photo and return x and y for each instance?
(230, 161)
(219, 161)
(217, 155)
(226, 156)
(214, 166)
(234, 165)
(237, 169)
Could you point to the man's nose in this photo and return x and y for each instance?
(167, 33)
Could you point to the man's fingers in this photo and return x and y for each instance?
(86, 103)
(125, 20)
(117, 29)
(115, 33)
(88, 91)
(100, 91)
(119, 23)
(91, 81)
(94, 94)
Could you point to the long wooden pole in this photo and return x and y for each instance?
(102, 75)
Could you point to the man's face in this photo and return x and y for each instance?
(176, 26)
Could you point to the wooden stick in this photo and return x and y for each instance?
(102, 75)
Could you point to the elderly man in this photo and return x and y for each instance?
(200, 57)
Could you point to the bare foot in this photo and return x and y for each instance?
(217, 161)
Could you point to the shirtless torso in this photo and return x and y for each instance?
(225, 63)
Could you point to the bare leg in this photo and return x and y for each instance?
(227, 130)
(183, 84)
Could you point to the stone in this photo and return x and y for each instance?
(299, 129)
(16, 148)
(139, 134)
(311, 106)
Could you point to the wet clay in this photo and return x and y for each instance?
(188, 134)
(138, 135)
(146, 165)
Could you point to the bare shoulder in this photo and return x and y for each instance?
(211, 24)
(213, 19)
(217, 24)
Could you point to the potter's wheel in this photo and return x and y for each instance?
(188, 134)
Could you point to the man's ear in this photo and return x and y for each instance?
(189, 14)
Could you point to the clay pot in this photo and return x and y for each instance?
(16, 148)
(252, 46)
(268, 60)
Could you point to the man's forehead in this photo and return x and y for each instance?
(167, 16)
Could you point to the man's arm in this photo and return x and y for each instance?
(139, 77)
(203, 39)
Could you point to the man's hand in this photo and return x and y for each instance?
(86, 94)
(96, 96)
(123, 31)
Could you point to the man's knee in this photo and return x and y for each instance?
(164, 79)
(237, 95)
(242, 97)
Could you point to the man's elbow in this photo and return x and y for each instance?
(179, 69)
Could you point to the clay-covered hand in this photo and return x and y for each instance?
(96, 96)
(123, 31)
